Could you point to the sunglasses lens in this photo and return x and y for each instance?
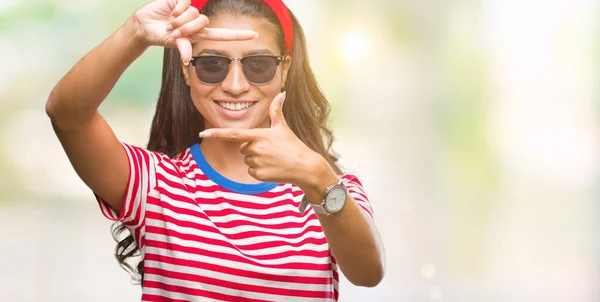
(212, 70)
(260, 69)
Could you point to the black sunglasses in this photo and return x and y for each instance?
(258, 69)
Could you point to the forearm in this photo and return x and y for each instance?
(80, 92)
(351, 233)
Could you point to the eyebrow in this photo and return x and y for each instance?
(258, 52)
(207, 51)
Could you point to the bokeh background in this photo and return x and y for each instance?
(474, 125)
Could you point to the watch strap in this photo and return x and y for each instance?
(319, 208)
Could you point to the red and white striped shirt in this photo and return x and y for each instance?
(205, 237)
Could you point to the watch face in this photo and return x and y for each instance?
(336, 199)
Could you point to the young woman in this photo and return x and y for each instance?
(237, 196)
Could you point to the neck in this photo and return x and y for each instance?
(226, 159)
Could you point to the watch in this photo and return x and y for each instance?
(333, 202)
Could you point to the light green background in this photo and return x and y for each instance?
(474, 126)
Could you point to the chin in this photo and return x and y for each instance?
(239, 124)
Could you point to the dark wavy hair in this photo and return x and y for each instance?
(177, 122)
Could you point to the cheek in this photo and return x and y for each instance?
(271, 90)
(199, 93)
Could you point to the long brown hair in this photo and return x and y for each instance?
(177, 122)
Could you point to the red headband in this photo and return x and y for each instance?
(282, 13)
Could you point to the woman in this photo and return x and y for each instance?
(237, 196)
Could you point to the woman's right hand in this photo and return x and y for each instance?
(175, 23)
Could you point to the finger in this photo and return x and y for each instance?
(256, 173)
(185, 50)
(237, 135)
(191, 14)
(244, 149)
(250, 161)
(180, 7)
(276, 110)
(252, 172)
(224, 34)
(191, 27)
(171, 4)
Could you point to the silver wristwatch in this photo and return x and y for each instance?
(333, 202)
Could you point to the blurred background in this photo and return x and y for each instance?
(474, 125)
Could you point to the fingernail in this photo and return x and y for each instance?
(169, 27)
(205, 134)
(256, 36)
(175, 34)
(284, 95)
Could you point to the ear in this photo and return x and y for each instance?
(186, 71)
(285, 68)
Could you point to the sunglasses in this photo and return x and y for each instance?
(257, 69)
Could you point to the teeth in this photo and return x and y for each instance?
(235, 106)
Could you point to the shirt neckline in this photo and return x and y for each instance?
(223, 181)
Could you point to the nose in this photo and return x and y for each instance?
(235, 82)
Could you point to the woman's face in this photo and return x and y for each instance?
(222, 105)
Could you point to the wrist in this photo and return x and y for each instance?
(132, 36)
(318, 176)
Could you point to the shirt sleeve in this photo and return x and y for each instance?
(356, 190)
(142, 179)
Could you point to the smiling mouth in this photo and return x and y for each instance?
(236, 106)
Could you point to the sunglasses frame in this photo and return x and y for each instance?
(278, 59)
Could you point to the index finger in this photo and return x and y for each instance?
(224, 34)
(185, 49)
(236, 135)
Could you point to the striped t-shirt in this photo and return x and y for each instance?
(204, 237)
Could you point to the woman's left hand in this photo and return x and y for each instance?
(274, 154)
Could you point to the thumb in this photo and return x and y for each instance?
(185, 49)
(276, 110)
